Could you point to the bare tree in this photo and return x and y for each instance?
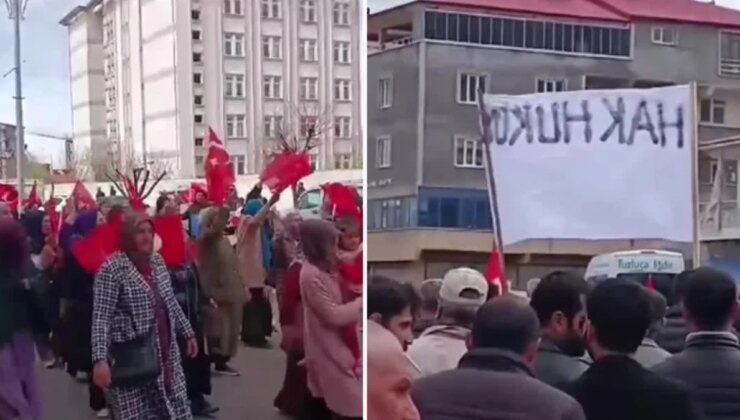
(81, 163)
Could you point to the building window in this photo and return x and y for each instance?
(552, 36)
(239, 164)
(308, 50)
(468, 85)
(712, 111)
(343, 161)
(273, 126)
(342, 90)
(729, 55)
(233, 44)
(271, 9)
(550, 85)
(195, 14)
(341, 52)
(197, 57)
(342, 127)
(272, 47)
(309, 88)
(199, 142)
(308, 126)
(341, 13)
(385, 92)
(198, 118)
(236, 126)
(383, 152)
(468, 152)
(314, 160)
(272, 87)
(196, 34)
(198, 99)
(234, 85)
(199, 162)
(664, 36)
(198, 78)
(233, 7)
(308, 11)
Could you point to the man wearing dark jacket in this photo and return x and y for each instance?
(558, 301)
(672, 337)
(710, 364)
(495, 378)
(617, 387)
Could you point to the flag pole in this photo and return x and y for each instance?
(696, 248)
(486, 138)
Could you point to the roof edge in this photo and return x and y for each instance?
(70, 17)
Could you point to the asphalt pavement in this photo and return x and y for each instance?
(246, 397)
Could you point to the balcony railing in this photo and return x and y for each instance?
(729, 67)
(373, 47)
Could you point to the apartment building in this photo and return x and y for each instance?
(428, 206)
(150, 76)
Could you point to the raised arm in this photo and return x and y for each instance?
(337, 314)
(105, 298)
(261, 216)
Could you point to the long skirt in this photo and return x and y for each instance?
(292, 398)
(19, 395)
(257, 318)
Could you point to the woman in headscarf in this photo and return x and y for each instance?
(134, 301)
(333, 378)
(19, 397)
(293, 396)
(254, 251)
(223, 289)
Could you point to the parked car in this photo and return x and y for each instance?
(311, 204)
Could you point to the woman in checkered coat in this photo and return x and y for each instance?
(133, 295)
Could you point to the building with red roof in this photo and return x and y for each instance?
(429, 58)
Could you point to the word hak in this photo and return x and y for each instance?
(562, 122)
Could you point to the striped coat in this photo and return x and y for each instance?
(123, 309)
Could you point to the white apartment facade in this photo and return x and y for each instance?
(150, 76)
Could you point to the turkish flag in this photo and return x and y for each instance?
(51, 212)
(650, 285)
(82, 197)
(92, 251)
(33, 197)
(286, 169)
(219, 172)
(495, 272)
(171, 233)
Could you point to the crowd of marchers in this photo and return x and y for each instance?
(614, 350)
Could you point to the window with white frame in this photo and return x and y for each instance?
(309, 89)
(342, 127)
(343, 161)
(341, 13)
(272, 87)
(385, 92)
(729, 53)
(273, 126)
(233, 7)
(468, 152)
(236, 125)
(308, 50)
(383, 152)
(712, 111)
(663, 35)
(468, 85)
(272, 47)
(272, 9)
(198, 118)
(234, 85)
(342, 90)
(233, 44)
(239, 164)
(196, 34)
(308, 126)
(198, 78)
(550, 85)
(342, 52)
(308, 11)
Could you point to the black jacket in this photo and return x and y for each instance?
(491, 384)
(710, 365)
(556, 368)
(672, 336)
(619, 388)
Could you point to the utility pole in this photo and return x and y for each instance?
(16, 9)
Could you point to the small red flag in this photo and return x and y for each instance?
(171, 233)
(33, 197)
(9, 194)
(650, 284)
(92, 251)
(52, 214)
(341, 201)
(219, 172)
(133, 195)
(495, 272)
(285, 169)
(82, 197)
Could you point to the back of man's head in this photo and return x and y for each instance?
(429, 293)
(657, 310)
(710, 303)
(619, 313)
(462, 291)
(559, 291)
(506, 323)
(680, 286)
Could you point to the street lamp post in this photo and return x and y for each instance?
(16, 9)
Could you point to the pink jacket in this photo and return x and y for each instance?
(329, 362)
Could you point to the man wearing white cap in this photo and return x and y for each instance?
(440, 347)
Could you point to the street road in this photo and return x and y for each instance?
(246, 397)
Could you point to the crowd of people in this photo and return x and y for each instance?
(571, 350)
(147, 336)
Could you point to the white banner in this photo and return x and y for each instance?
(611, 164)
